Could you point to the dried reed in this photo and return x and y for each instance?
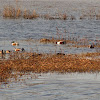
(43, 63)
(12, 12)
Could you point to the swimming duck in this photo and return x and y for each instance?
(5, 51)
(60, 54)
(2, 52)
(91, 46)
(61, 42)
(8, 51)
(19, 49)
(14, 43)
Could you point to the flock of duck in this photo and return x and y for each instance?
(22, 49)
(15, 49)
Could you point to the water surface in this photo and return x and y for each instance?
(53, 86)
(23, 29)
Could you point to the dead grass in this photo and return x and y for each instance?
(13, 12)
(75, 42)
(43, 63)
(9, 11)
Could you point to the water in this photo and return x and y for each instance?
(22, 29)
(53, 86)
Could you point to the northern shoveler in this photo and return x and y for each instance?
(14, 43)
(19, 49)
(61, 42)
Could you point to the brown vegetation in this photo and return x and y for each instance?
(43, 63)
(75, 42)
(12, 12)
(15, 11)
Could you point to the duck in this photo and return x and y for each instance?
(8, 51)
(61, 42)
(91, 46)
(5, 51)
(60, 54)
(19, 49)
(14, 43)
(2, 52)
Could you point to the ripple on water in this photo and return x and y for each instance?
(55, 86)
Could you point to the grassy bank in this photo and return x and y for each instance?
(43, 63)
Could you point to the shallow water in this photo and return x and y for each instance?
(53, 86)
(21, 29)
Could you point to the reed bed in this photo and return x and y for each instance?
(72, 41)
(13, 12)
(43, 63)
(78, 43)
(10, 11)
(16, 12)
